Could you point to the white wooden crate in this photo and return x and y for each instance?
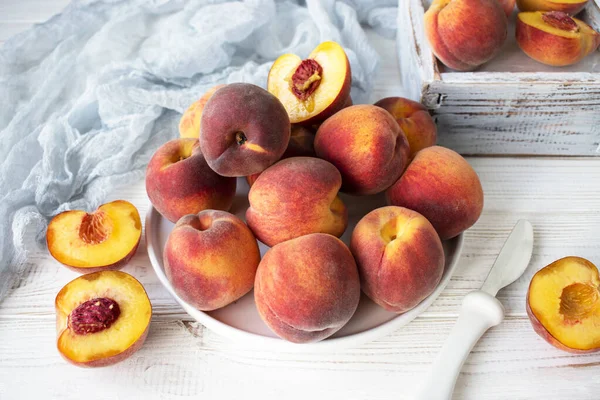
(511, 105)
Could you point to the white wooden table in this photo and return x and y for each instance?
(181, 359)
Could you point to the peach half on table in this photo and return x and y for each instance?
(313, 89)
(301, 144)
(414, 120)
(307, 288)
(570, 7)
(554, 38)
(180, 182)
(245, 129)
(399, 255)
(366, 145)
(189, 125)
(464, 34)
(563, 305)
(101, 318)
(295, 197)
(443, 187)
(211, 259)
(105, 239)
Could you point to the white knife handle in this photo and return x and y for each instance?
(479, 312)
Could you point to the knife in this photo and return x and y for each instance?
(480, 311)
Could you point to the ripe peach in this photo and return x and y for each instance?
(508, 6)
(101, 318)
(180, 182)
(554, 38)
(211, 259)
(414, 120)
(245, 129)
(103, 240)
(399, 255)
(464, 34)
(563, 304)
(189, 125)
(366, 145)
(311, 90)
(301, 145)
(443, 187)
(570, 7)
(307, 288)
(295, 197)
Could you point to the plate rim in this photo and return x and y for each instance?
(255, 340)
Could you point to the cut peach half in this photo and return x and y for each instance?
(570, 7)
(101, 318)
(90, 242)
(189, 125)
(563, 304)
(315, 88)
(554, 38)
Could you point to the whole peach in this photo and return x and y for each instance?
(295, 197)
(211, 259)
(443, 187)
(244, 128)
(180, 182)
(366, 145)
(464, 34)
(414, 120)
(307, 288)
(399, 255)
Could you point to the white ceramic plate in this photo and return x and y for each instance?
(241, 322)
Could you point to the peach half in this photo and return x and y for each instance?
(180, 182)
(313, 89)
(211, 259)
(414, 120)
(554, 38)
(101, 318)
(563, 305)
(189, 125)
(307, 288)
(295, 197)
(399, 255)
(88, 242)
(570, 7)
(464, 34)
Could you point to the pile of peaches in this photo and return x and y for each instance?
(465, 34)
(297, 144)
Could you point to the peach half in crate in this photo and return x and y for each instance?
(101, 318)
(313, 89)
(88, 242)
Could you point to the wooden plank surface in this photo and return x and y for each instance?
(181, 359)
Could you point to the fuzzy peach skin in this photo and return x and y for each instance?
(554, 38)
(105, 239)
(366, 145)
(570, 7)
(464, 34)
(563, 305)
(508, 6)
(414, 120)
(180, 182)
(189, 125)
(399, 255)
(87, 338)
(443, 187)
(313, 89)
(245, 129)
(301, 144)
(295, 197)
(211, 259)
(307, 288)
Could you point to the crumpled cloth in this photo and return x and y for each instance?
(89, 95)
